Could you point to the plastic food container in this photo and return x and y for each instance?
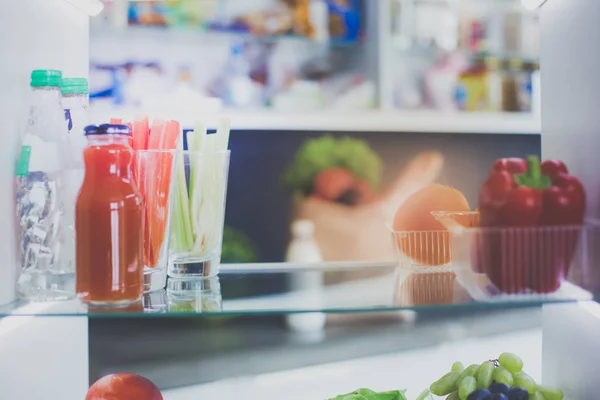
(425, 274)
(493, 264)
(524, 264)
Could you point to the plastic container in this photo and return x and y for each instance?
(493, 264)
(424, 273)
(524, 264)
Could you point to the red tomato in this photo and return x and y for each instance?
(333, 183)
(123, 387)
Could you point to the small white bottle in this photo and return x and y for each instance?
(303, 249)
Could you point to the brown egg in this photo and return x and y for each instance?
(419, 235)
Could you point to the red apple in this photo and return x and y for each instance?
(123, 387)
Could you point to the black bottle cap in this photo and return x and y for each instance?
(90, 130)
(113, 129)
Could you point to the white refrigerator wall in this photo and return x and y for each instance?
(570, 67)
(33, 34)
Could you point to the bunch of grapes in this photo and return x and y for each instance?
(501, 379)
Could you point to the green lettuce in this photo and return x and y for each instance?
(368, 394)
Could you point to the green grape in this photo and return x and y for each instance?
(511, 362)
(453, 396)
(457, 367)
(446, 384)
(551, 393)
(424, 395)
(471, 370)
(522, 380)
(466, 386)
(502, 375)
(484, 375)
(537, 396)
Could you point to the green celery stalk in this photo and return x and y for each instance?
(197, 145)
(182, 230)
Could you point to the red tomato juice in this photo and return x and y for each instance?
(108, 221)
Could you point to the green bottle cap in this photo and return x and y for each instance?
(74, 86)
(46, 77)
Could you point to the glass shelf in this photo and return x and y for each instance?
(262, 289)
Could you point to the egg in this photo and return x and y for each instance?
(418, 234)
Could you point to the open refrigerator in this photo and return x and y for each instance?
(44, 354)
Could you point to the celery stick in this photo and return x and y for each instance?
(208, 200)
(206, 190)
(196, 173)
(196, 145)
(182, 229)
(223, 134)
(177, 240)
(198, 138)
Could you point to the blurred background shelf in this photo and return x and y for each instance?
(324, 56)
(198, 36)
(354, 121)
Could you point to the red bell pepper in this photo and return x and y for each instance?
(512, 248)
(512, 165)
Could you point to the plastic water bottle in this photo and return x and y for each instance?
(41, 207)
(75, 102)
(303, 249)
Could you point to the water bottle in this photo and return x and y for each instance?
(41, 207)
(75, 102)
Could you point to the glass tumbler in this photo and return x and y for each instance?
(198, 213)
(155, 179)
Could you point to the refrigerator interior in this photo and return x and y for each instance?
(55, 34)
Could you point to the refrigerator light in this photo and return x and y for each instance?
(90, 7)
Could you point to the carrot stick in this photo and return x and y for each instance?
(140, 134)
(168, 141)
(155, 134)
(157, 197)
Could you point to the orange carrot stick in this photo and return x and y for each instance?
(168, 141)
(163, 136)
(141, 131)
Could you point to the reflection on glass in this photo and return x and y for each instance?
(137, 307)
(194, 295)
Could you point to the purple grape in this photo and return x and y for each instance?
(499, 396)
(480, 394)
(518, 394)
(498, 387)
